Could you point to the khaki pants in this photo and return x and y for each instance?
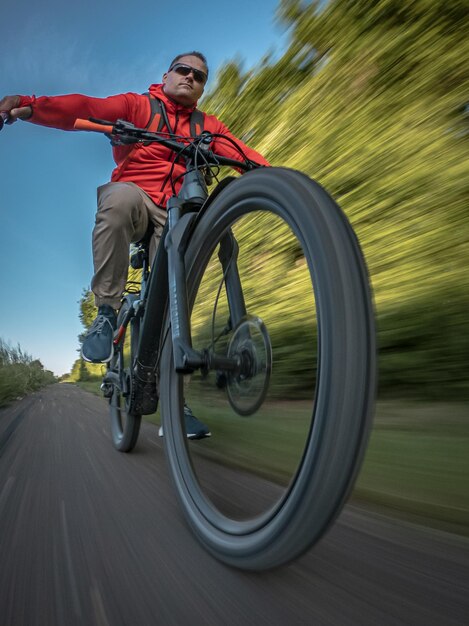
(124, 215)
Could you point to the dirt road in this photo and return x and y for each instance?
(89, 536)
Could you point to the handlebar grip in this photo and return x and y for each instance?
(87, 125)
(4, 117)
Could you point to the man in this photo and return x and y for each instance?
(140, 184)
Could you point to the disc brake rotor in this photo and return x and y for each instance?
(248, 384)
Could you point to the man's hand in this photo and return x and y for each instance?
(10, 104)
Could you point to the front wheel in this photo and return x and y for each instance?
(125, 424)
(290, 424)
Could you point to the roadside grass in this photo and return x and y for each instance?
(416, 465)
(93, 386)
(20, 374)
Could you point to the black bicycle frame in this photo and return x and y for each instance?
(167, 287)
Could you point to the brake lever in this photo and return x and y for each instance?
(119, 126)
(123, 126)
(121, 131)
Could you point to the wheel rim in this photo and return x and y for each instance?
(260, 448)
(338, 414)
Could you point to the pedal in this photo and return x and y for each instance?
(107, 390)
(137, 258)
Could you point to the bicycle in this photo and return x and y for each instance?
(258, 291)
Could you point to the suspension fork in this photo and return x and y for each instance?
(228, 255)
(186, 359)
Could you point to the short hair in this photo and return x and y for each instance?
(194, 53)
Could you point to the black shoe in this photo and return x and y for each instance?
(97, 346)
(194, 427)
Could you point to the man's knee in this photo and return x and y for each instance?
(118, 196)
(118, 204)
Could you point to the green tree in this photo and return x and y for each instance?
(370, 99)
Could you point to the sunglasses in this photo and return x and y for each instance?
(184, 70)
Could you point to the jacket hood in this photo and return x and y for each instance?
(157, 91)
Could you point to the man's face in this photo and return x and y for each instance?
(184, 90)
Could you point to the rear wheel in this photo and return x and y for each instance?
(125, 425)
(290, 424)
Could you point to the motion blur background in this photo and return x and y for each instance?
(370, 98)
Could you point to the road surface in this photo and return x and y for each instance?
(89, 536)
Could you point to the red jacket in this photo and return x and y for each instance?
(148, 166)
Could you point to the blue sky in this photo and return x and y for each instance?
(48, 178)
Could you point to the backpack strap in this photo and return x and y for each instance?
(158, 118)
(155, 123)
(197, 122)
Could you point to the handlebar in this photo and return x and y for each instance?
(128, 134)
(87, 125)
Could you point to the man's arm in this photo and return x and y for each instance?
(62, 111)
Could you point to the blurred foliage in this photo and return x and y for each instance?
(20, 373)
(371, 99)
